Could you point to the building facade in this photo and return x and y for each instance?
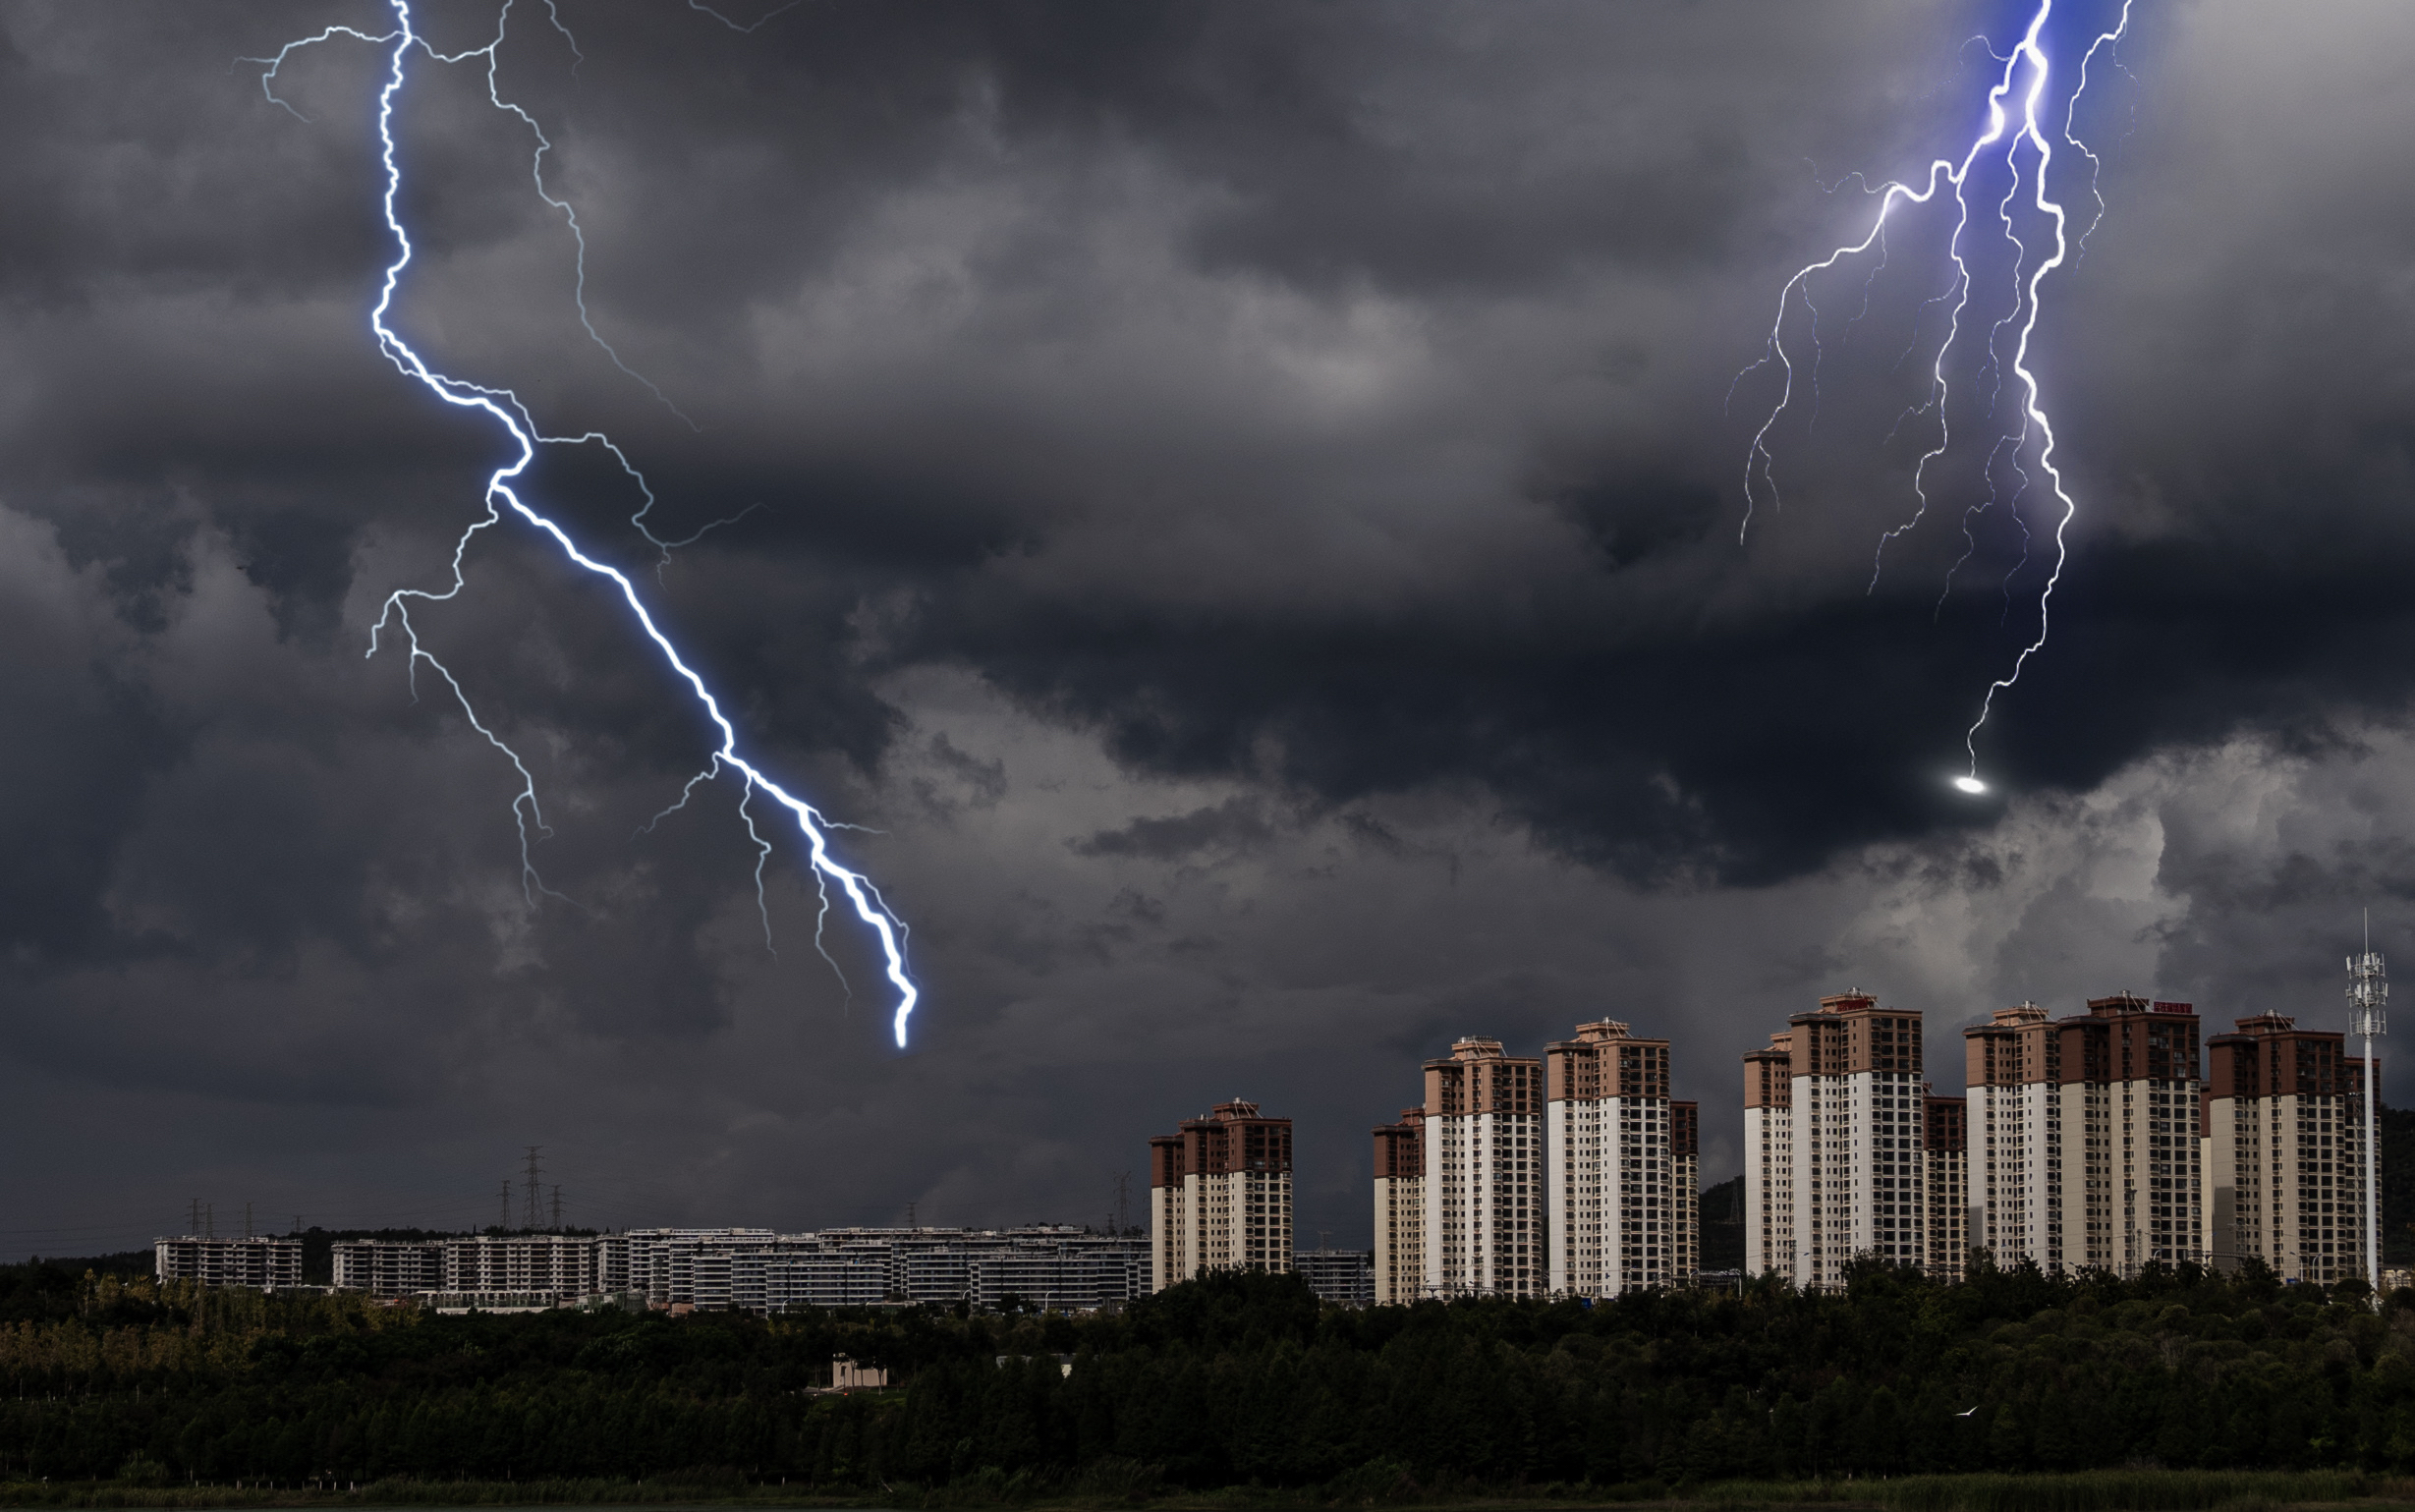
(1346, 1276)
(264, 1264)
(561, 1263)
(1219, 1196)
(1860, 1172)
(1769, 1159)
(1685, 1167)
(1400, 1208)
(389, 1267)
(2085, 1134)
(1611, 1212)
(1484, 1205)
(756, 1269)
(2285, 1150)
(1948, 1121)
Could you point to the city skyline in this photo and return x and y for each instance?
(1326, 1221)
(1240, 505)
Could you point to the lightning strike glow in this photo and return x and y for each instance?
(1970, 784)
(505, 409)
(2028, 68)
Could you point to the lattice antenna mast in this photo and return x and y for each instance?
(2369, 1015)
(532, 1210)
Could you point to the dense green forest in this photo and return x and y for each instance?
(1232, 1381)
(1722, 1217)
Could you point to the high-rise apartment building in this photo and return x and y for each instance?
(1219, 1196)
(2285, 1150)
(1768, 1158)
(1400, 1208)
(1685, 1170)
(1610, 1208)
(1484, 1205)
(1948, 1121)
(2083, 1136)
(1859, 1115)
(1836, 1142)
(2006, 1069)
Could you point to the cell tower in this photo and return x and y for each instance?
(2369, 1015)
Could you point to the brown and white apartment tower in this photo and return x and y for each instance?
(1769, 1159)
(1484, 1135)
(1685, 1168)
(1949, 1187)
(2284, 1155)
(2083, 1136)
(1219, 1196)
(1612, 1201)
(1400, 1208)
(1854, 1117)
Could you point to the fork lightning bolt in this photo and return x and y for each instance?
(506, 410)
(2028, 66)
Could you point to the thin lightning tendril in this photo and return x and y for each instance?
(505, 409)
(2029, 55)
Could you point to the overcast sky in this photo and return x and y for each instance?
(1243, 500)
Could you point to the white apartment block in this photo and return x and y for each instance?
(1485, 1232)
(1685, 1167)
(1949, 1187)
(1769, 1159)
(1219, 1196)
(695, 1266)
(1612, 1208)
(1838, 1171)
(561, 1263)
(519, 1265)
(389, 1267)
(265, 1263)
(2285, 1150)
(2083, 1136)
(756, 1269)
(1400, 1208)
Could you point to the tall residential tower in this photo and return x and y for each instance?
(2087, 1129)
(1400, 1208)
(1483, 1136)
(1836, 1163)
(1219, 1196)
(1613, 1204)
(2284, 1155)
(1768, 1158)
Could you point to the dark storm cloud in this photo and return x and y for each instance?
(1318, 410)
(1236, 822)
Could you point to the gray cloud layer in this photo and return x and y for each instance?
(1246, 511)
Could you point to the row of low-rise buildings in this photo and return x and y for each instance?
(748, 1269)
(2108, 1140)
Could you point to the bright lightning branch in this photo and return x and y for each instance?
(506, 410)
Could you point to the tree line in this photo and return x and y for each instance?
(1230, 1381)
